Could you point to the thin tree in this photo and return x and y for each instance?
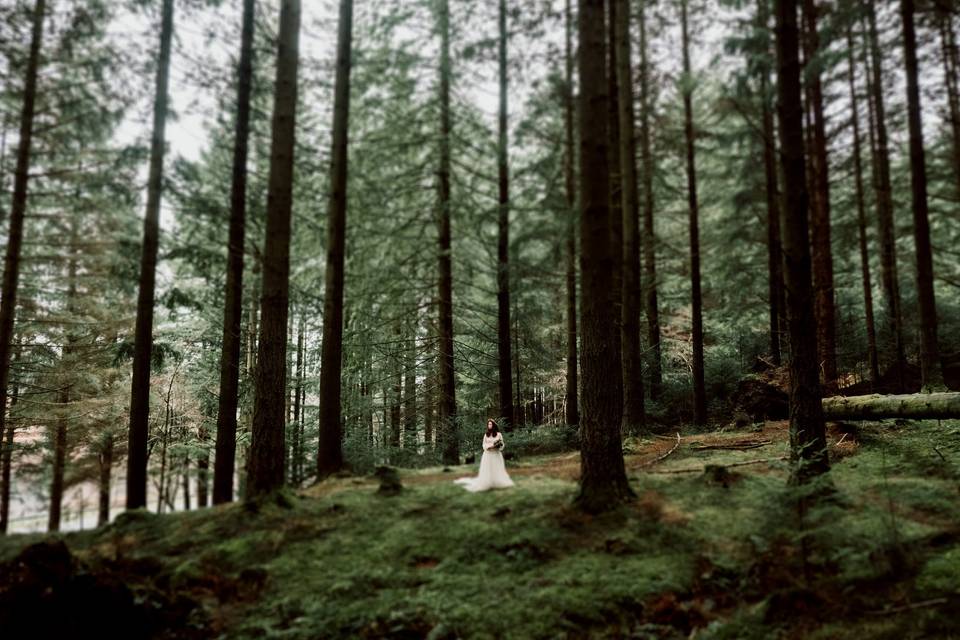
(888, 245)
(807, 434)
(930, 372)
(649, 279)
(699, 386)
(951, 68)
(634, 415)
(822, 256)
(862, 215)
(11, 263)
(774, 251)
(143, 333)
(603, 480)
(226, 446)
(265, 464)
(447, 418)
(330, 453)
(504, 357)
(569, 160)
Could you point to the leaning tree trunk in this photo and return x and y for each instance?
(822, 256)
(265, 464)
(6, 465)
(504, 358)
(649, 279)
(11, 264)
(569, 159)
(886, 227)
(330, 453)
(634, 416)
(930, 372)
(808, 443)
(143, 336)
(226, 446)
(920, 406)
(774, 251)
(699, 386)
(603, 480)
(447, 418)
(862, 217)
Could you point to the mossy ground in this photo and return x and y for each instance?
(693, 556)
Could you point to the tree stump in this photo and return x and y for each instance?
(390, 484)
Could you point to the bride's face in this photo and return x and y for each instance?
(489, 425)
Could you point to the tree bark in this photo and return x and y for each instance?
(410, 439)
(11, 266)
(504, 357)
(569, 157)
(807, 432)
(615, 370)
(930, 371)
(6, 466)
(447, 419)
(919, 406)
(862, 216)
(774, 250)
(603, 480)
(265, 468)
(699, 386)
(822, 255)
(143, 336)
(226, 446)
(650, 302)
(634, 411)
(887, 229)
(330, 452)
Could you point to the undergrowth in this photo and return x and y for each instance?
(876, 555)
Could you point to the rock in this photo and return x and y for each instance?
(759, 401)
(390, 484)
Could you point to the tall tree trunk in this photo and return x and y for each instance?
(699, 387)
(948, 49)
(774, 251)
(887, 229)
(225, 457)
(569, 160)
(203, 472)
(615, 370)
(650, 303)
(447, 418)
(634, 415)
(6, 464)
(11, 264)
(265, 468)
(410, 439)
(330, 452)
(930, 372)
(504, 358)
(67, 364)
(143, 337)
(296, 451)
(807, 433)
(862, 216)
(822, 256)
(396, 392)
(603, 480)
(106, 471)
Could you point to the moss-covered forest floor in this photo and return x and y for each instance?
(721, 554)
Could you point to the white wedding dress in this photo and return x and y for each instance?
(493, 472)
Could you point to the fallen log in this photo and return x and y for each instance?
(923, 406)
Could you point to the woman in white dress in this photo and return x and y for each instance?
(493, 472)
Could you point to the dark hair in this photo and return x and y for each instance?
(495, 429)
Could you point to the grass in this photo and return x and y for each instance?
(689, 554)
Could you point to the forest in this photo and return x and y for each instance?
(270, 266)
